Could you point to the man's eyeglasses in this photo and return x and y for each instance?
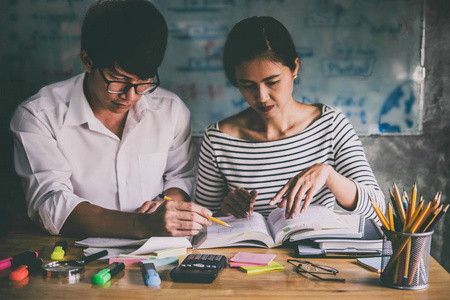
(303, 267)
(120, 87)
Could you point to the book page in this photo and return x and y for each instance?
(245, 231)
(315, 218)
(255, 222)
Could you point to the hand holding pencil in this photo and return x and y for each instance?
(209, 218)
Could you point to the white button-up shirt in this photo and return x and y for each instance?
(65, 155)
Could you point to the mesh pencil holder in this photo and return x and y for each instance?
(405, 260)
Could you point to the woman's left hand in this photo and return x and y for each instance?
(303, 185)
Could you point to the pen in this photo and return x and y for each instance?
(107, 273)
(59, 250)
(210, 218)
(149, 274)
(24, 270)
(18, 260)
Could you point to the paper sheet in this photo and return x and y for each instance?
(133, 247)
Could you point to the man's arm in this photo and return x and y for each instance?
(172, 218)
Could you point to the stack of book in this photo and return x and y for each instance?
(370, 243)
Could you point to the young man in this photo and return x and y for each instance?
(95, 150)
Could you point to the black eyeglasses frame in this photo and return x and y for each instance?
(153, 85)
(320, 269)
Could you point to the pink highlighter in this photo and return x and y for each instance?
(18, 260)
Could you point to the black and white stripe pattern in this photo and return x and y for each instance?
(226, 163)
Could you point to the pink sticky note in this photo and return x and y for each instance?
(253, 258)
(239, 264)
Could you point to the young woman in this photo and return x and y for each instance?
(279, 151)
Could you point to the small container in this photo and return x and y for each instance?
(406, 260)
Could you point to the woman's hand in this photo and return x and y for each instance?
(238, 203)
(303, 186)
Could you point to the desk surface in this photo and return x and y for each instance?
(360, 283)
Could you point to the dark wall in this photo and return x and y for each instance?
(423, 159)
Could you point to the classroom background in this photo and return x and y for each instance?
(384, 63)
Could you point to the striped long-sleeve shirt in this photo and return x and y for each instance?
(226, 163)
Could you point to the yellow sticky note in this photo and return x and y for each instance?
(170, 252)
(274, 266)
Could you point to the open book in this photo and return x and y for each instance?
(317, 221)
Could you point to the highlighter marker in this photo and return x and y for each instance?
(149, 274)
(106, 274)
(59, 250)
(23, 271)
(18, 260)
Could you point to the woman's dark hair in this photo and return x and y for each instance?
(258, 37)
(132, 33)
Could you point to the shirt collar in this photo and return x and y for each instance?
(79, 111)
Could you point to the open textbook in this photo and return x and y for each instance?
(317, 221)
(255, 231)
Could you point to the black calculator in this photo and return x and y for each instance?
(199, 268)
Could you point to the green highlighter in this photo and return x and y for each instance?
(107, 273)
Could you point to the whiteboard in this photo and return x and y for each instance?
(362, 56)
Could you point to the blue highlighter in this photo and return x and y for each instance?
(149, 274)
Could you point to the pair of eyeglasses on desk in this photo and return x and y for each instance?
(320, 272)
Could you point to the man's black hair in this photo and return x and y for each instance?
(131, 33)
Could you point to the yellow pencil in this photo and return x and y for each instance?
(435, 213)
(220, 222)
(399, 201)
(413, 201)
(416, 213)
(419, 220)
(380, 215)
(407, 259)
(164, 197)
(391, 217)
(210, 218)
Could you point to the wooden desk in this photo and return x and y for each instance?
(231, 283)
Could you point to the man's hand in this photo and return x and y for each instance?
(175, 218)
(150, 206)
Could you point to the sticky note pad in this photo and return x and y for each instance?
(253, 258)
(274, 266)
(170, 252)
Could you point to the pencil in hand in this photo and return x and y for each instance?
(164, 197)
(219, 222)
(210, 218)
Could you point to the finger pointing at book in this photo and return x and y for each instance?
(300, 189)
